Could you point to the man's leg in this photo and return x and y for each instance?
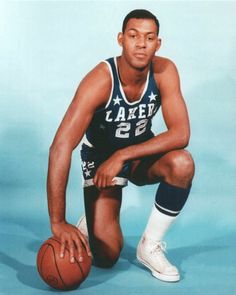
(174, 171)
(102, 208)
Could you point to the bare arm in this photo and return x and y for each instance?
(91, 93)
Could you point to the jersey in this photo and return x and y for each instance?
(122, 123)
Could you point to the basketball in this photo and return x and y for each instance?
(60, 273)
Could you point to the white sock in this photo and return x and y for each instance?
(157, 225)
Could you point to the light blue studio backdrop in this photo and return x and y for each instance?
(46, 48)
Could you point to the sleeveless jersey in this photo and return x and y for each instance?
(122, 123)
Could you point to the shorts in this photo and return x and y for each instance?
(91, 159)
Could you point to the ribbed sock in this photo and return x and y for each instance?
(169, 202)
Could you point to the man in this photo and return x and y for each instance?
(113, 107)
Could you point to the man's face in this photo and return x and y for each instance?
(139, 42)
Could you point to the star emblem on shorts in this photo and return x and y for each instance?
(152, 96)
(117, 100)
(87, 173)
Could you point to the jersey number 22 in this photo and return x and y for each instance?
(123, 130)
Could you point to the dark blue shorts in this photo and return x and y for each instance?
(91, 159)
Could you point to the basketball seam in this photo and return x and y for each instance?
(57, 266)
(41, 262)
(83, 275)
(81, 270)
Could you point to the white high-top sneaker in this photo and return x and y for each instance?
(151, 254)
(82, 226)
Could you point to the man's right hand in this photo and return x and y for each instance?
(70, 236)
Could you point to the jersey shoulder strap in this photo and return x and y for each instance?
(152, 85)
(114, 77)
(112, 66)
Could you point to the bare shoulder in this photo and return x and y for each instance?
(96, 85)
(100, 71)
(166, 73)
(92, 93)
(163, 65)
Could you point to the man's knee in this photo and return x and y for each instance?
(180, 166)
(105, 253)
(105, 259)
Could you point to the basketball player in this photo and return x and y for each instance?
(112, 113)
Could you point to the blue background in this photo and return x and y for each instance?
(45, 50)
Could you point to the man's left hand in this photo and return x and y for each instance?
(107, 171)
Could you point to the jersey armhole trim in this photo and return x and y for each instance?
(112, 83)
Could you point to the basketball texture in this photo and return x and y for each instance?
(60, 273)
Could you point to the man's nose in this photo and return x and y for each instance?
(141, 42)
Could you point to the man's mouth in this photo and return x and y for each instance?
(140, 55)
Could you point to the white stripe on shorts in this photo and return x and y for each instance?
(86, 142)
(119, 181)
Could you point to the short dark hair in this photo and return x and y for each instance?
(140, 13)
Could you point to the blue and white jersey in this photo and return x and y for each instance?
(122, 123)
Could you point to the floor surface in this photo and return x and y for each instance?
(204, 251)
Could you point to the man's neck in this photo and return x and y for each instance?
(130, 75)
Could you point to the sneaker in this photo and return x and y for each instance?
(151, 254)
(82, 226)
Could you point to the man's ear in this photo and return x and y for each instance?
(158, 44)
(120, 39)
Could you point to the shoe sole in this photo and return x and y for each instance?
(158, 275)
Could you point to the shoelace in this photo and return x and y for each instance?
(159, 247)
(158, 250)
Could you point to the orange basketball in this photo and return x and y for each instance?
(58, 272)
